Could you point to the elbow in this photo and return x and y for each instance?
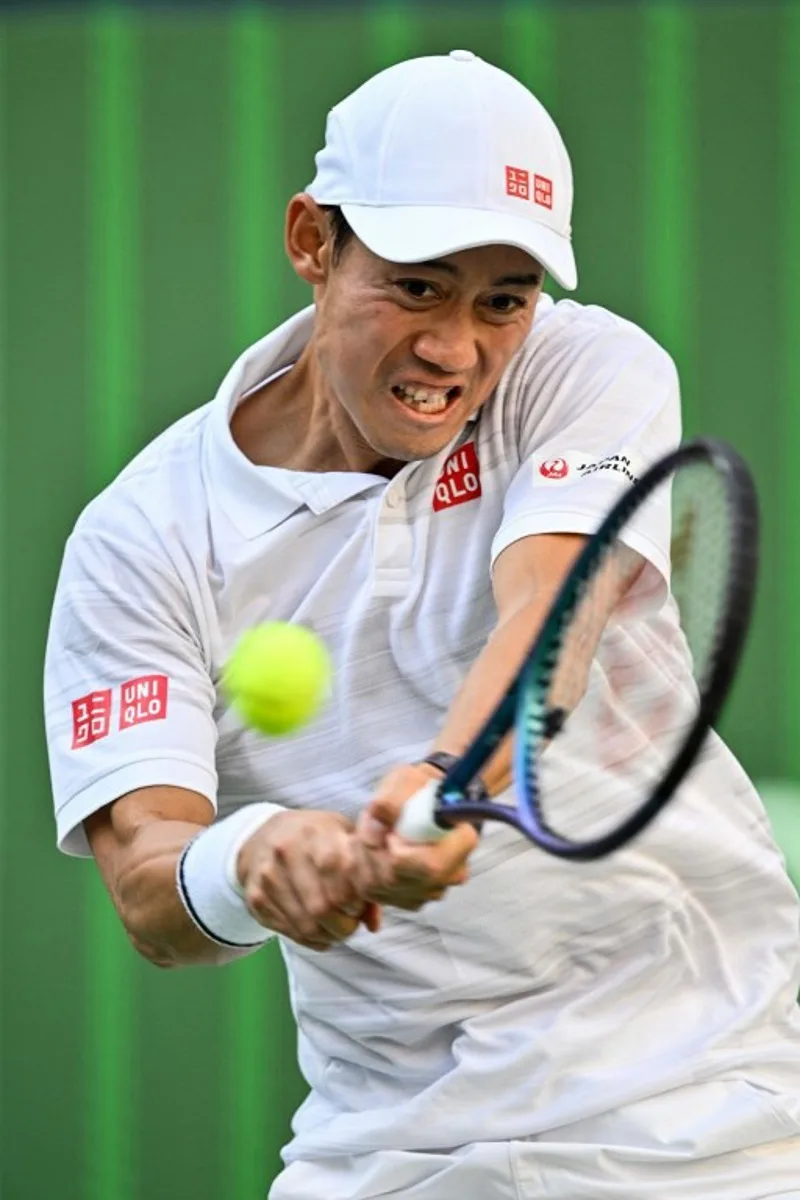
(157, 955)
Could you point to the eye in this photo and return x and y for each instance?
(505, 304)
(416, 289)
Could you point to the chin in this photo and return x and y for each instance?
(414, 450)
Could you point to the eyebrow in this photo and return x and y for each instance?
(531, 279)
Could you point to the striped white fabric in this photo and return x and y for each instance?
(647, 1001)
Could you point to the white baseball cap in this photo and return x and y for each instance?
(444, 153)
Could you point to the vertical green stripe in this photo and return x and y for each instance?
(258, 120)
(254, 1124)
(529, 54)
(790, 398)
(529, 48)
(113, 257)
(390, 34)
(5, 624)
(111, 404)
(668, 257)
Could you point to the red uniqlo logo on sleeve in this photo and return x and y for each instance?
(543, 191)
(460, 479)
(143, 699)
(518, 183)
(91, 718)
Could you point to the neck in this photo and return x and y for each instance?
(294, 422)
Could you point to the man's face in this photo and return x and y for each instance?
(411, 352)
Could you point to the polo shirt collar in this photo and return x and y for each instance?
(257, 498)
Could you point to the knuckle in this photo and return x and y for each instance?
(336, 860)
(282, 845)
(255, 897)
(316, 907)
(261, 876)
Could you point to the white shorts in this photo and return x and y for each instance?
(547, 1171)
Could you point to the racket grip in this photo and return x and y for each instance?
(416, 822)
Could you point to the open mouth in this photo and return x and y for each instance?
(426, 400)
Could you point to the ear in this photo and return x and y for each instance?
(308, 240)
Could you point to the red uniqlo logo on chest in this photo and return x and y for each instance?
(91, 718)
(460, 479)
(543, 191)
(518, 183)
(143, 699)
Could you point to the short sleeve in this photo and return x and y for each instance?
(614, 411)
(129, 700)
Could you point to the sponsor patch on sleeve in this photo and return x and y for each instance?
(91, 718)
(143, 699)
(573, 465)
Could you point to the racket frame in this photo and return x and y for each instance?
(525, 699)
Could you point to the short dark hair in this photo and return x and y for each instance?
(340, 229)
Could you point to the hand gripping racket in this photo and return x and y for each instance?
(645, 735)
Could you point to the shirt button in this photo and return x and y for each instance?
(393, 498)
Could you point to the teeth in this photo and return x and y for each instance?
(423, 399)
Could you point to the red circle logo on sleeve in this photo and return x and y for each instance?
(554, 468)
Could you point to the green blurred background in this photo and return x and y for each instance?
(146, 155)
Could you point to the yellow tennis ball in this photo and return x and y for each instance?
(277, 676)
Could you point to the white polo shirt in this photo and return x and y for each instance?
(543, 997)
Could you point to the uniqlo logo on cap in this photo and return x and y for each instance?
(460, 479)
(143, 699)
(518, 183)
(543, 191)
(91, 718)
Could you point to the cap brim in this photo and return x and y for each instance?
(414, 233)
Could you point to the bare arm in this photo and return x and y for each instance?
(136, 842)
(299, 870)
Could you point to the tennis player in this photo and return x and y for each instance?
(409, 467)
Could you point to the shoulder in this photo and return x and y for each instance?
(573, 347)
(145, 506)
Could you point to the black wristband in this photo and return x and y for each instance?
(443, 761)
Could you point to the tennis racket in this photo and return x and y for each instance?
(642, 733)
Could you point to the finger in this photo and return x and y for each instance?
(386, 805)
(435, 862)
(318, 897)
(269, 897)
(318, 946)
(337, 868)
(459, 876)
(373, 868)
(339, 925)
(288, 888)
(371, 829)
(312, 904)
(372, 916)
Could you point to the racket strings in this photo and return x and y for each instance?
(701, 560)
(633, 667)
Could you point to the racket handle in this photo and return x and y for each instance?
(416, 822)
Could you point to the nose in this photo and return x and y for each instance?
(450, 345)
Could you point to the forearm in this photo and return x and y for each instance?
(509, 644)
(485, 685)
(148, 903)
